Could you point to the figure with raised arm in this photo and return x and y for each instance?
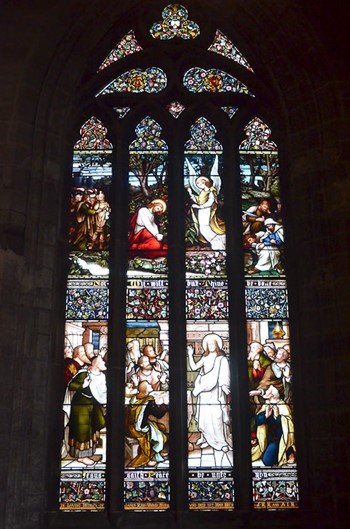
(212, 390)
(209, 227)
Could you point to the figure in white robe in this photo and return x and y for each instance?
(209, 227)
(212, 389)
(267, 246)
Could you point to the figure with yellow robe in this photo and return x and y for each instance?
(149, 433)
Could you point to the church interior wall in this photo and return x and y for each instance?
(48, 51)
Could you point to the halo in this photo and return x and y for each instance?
(160, 202)
(218, 339)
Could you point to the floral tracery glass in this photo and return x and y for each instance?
(175, 108)
(203, 137)
(87, 307)
(273, 448)
(223, 46)
(93, 136)
(258, 137)
(148, 139)
(175, 24)
(121, 111)
(230, 111)
(126, 46)
(213, 80)
(151, 81)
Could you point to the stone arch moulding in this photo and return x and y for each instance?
(53, 163)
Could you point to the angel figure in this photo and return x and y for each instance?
(209, 227)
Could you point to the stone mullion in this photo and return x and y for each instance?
(237, 321)
(117, 327)
(177, 326)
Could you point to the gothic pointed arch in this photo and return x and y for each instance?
(202, 321)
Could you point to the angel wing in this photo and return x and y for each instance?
(214, 175)
(192, 178)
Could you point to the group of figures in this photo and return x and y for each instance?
(270, 383)
(146, 434)
(145, 237)
(84, 402)
(210, 443)
(261, 206)
(263, 234)
(273, 447)
(147, 382)
(89, 226)
(263, 237)
(146, 391)
(83, 454)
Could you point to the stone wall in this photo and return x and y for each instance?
(48, 48)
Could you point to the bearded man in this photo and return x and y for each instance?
(145, 238)
(149, 433)
(86, 413)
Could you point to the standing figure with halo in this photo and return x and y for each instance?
(212, 390)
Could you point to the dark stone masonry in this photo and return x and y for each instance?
(50, 51)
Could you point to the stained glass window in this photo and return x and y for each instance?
(275, 484)
(148, 351)
(210, 456)
(175, 108)
(147, 313)
(230, 111)
(203, 137)
(213, 80)
(151, 80)
(258, 139)
(126, 46)
(175, 23)
(121, 111)
(223, 46)
(83, 463)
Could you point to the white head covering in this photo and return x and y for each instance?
(270, 221)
